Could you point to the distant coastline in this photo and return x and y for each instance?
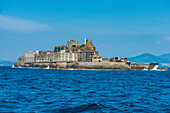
(6, 63)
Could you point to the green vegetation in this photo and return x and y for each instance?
(67, 51)
(74, 46)
(82, 46)
(94, 49)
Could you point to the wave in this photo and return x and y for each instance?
(82, 108)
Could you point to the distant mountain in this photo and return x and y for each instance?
(149, 58)
(165, 56)
(6, 63)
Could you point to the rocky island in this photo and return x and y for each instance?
(74, 56)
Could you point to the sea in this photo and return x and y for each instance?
(83, 91)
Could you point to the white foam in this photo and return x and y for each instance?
(145, 69)
(47, 67)
(155, 67)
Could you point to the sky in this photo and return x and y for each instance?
(116, 27)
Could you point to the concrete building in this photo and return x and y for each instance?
(69, 57)
(84, 53)
(119, 59)
(50, 56)
(84, 56)
(70, 43)
(44, 56)
(29, 56)
(97, 58)
(60, 48)
(87, 53)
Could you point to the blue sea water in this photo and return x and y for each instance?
(72, 91)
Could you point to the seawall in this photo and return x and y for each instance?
(104, 65)
(89, 65)
(142, 66)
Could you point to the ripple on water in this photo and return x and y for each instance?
(82, 108)
(30, 90)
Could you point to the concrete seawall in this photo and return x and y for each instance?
(89, 65)
(142, 66)
(104, 65)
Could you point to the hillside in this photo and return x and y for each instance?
(149, 58)
(165, 56)
(6, 63)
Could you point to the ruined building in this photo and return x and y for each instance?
(70, 43)
(71, 52)
(77, 56)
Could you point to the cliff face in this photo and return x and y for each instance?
(88, 46)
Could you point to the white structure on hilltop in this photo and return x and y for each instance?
(85, 41)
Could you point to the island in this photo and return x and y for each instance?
(78, 57)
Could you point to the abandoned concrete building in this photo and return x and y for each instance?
(77, 56)
(70, 43)
(60, 48)
(71, 52)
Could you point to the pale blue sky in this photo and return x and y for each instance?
(116, 27)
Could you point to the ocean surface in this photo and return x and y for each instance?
(86, 91)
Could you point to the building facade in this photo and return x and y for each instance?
(85, 56)
(70, 43)
(84, 53)
(60, 48)
(29, 56)
(49, 56)
(119, 59)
